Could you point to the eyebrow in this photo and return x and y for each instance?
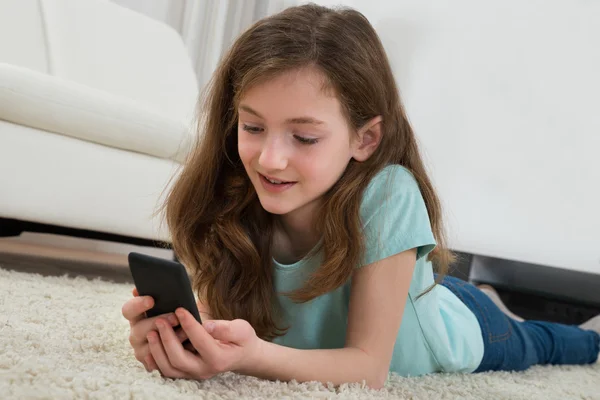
(295, 120)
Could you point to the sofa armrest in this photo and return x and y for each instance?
(64, 107)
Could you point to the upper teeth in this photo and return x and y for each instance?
(274, 181)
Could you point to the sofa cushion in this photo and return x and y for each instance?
(65, 107)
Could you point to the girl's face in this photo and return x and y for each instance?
(293, 141)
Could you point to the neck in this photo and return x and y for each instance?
(295, 235)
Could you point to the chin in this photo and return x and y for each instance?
(274, 207)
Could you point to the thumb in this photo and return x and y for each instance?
(235, 331)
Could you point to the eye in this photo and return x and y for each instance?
(252, 129)
(305, 140)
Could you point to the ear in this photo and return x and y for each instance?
(367, 140)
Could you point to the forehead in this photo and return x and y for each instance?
(298, 92)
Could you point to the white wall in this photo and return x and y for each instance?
(504, 97)
(161, 10)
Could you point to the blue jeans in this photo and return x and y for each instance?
(511, 345)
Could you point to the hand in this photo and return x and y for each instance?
(221, 346)
(133, 310)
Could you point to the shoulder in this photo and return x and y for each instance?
(392, 182)
(395, 171)
(394, 215)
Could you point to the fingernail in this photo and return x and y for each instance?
(180, 313)
(148, 302)
(151, 338)
(209, 326)
(160, 324)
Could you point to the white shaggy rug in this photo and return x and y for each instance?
(64, 338)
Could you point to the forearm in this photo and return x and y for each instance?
(347, 365)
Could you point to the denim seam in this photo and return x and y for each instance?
(491, 339)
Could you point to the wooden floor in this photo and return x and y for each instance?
(52, 255)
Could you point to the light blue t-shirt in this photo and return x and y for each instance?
(438, 332)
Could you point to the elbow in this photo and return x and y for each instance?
(379, 371)
(377, 381)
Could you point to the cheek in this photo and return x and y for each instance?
(324, 166)
(246, 149)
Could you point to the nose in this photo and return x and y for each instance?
(273, 154)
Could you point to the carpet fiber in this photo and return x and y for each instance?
(63, 338)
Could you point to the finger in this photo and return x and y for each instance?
(229, 331)
(140, 355)
(140, 329)
(150, 363)
(160, 357)
(190, 347)
(178, 357)
(135, 292)
(202, 341)
(181, 335)
(133, 310)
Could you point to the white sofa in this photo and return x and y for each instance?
(96, 113)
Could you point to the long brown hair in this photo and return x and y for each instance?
(219, 229)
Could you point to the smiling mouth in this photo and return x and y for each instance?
(275, 181)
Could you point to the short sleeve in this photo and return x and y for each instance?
(394, 216)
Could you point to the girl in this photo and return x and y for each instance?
(311, 228)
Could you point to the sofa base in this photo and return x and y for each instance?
(12, 227)
(53, 182)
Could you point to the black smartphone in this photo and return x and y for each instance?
(166, 281)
